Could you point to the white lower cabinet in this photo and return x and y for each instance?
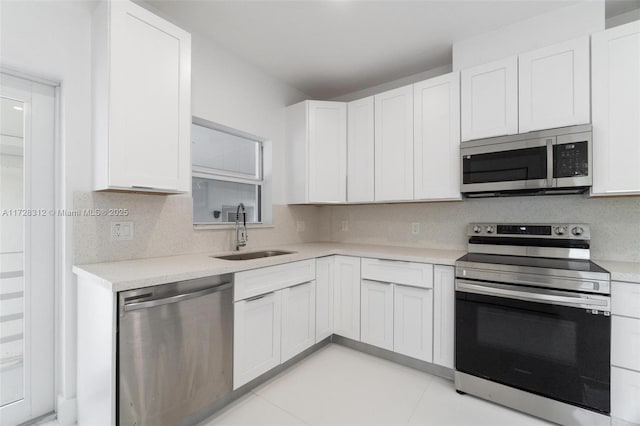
(376, 327)
(298, 319)
(325, 278)
(256, 336)
(346, 300)
(413, 321)
(444, 301)
(625, 395)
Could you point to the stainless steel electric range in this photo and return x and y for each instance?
(533, 325)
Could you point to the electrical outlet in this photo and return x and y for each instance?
(344, 225)
(300, 227)
(415, 228)
(121, 231)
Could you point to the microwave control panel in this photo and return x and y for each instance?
(571, 160)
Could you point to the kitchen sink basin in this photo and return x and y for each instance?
(253, 255)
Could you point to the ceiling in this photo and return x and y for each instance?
(327, 48)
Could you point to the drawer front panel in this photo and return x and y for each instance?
(398, 272)
(264, 280)
(625, 342)
(625, 299)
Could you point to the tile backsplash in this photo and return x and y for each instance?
(615, 222)
(163, 224)
(163, 227)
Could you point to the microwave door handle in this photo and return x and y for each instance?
(550, 143)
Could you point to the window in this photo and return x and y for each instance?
(228, 168)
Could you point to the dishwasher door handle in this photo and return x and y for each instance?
(134, 306)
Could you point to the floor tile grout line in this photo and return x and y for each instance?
(283, 409)
(415, 408)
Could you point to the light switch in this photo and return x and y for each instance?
(121, 231)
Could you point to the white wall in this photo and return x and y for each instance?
(52, 40)
(543, 30)
(228, 91)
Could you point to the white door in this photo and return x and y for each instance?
(298, 319)
(256, 336)
(325, 278)
(360, 151)
(489, 99)
(376, 324)
(346, 302)
(394, 145)
(444, 301)
(616, 110)
(27, 136)
(554, 86)
(413, 321)
(436, 138)
(327, 152)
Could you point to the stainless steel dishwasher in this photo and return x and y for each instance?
(175, 354)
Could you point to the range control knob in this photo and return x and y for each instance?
(560, 230)
(477, 229)
(577, 231)
(489, 229)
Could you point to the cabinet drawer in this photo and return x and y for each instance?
(398, 272)
(625, 342)
(264, 280)
(625, 299)
(625, 394)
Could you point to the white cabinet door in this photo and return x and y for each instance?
(443, 315)
(327, 152)
(317, 152)
(413, 320)
(554, 86)
(143, 116)
(394, 145)
(489, 99)
(360, 151)
(325, 278)
(376, 327)
(436, 138)
(625, 342)
(616, 110)
(256, 337)
(298, 319)
(346, 302)
(625, 394)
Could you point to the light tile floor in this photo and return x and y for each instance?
(340, 386)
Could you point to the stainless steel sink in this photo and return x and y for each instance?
(253, 255)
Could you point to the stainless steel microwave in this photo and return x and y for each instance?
(555, 161)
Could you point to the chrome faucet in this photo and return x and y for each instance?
(241, 235)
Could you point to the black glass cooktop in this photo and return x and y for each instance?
(533, 262)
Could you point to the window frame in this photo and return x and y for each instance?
(263, 182)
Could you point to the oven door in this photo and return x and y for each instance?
(542, 341)
(505, 166)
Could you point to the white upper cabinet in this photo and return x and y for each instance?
(142, 100)
(394, 145)
(360, 150)
(490, 99)
(554, 86)
(436, 136)
(317, 152)
(616, 110)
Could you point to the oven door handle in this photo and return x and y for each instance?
(551, 297)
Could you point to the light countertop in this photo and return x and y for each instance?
(131, 274)
(621, 271)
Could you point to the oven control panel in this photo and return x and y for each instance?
(572, 231)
